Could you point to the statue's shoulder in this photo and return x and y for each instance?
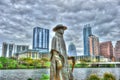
(54, 38)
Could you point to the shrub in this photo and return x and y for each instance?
(47, 64)
(81, 65)
(45, 77)
(93, 77)
(108, 76)
(31, 67)
(29, 79)
(112, 65)
(22, 66)
(1, 66)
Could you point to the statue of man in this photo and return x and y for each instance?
(59, 69)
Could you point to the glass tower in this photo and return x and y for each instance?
(40, 39)
(72, 50)
(86, 33)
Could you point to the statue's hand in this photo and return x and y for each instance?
(59, 64)
(59, 59)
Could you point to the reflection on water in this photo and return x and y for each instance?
(79, 73)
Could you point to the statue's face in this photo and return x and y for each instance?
(61, 31)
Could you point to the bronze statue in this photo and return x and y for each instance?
(59, 69)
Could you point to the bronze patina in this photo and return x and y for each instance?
(59, 69)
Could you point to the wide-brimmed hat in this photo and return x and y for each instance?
(60, 26)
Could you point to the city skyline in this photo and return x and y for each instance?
(18, 18)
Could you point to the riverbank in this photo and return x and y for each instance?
(24, 63)
(28, 63)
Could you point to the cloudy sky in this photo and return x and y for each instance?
(19, 17)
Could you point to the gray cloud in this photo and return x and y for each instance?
(19, 17)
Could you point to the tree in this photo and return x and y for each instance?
(4, 62)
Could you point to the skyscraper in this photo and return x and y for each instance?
(93, 45)
(72, 50)
(86, 33)
(117, 51)
(106, 49)
(40, 39)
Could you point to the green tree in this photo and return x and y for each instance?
(12, 63)
(36, 63)
(4, 62)
(1, 66)
(43, 61)
(26, 61)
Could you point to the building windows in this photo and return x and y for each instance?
(40, 39)
(9, 49)
(86, 33)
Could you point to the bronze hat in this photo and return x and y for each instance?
(60, 26)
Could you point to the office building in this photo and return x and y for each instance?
(117, 51)
(40, 39)
(93, 45)
(106, 49)
(86, 33)
(72, 50)
(33, 54)
(9, 49)
(19, 48)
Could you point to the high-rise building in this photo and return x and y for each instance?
(106, 49)
(72, 50)
(94, 45)
(117, 51)
(9, 49)
(40, 39)
(86, 33)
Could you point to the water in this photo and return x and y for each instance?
(79, 73)
(83, 73)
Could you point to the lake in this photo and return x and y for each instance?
(79, 73)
